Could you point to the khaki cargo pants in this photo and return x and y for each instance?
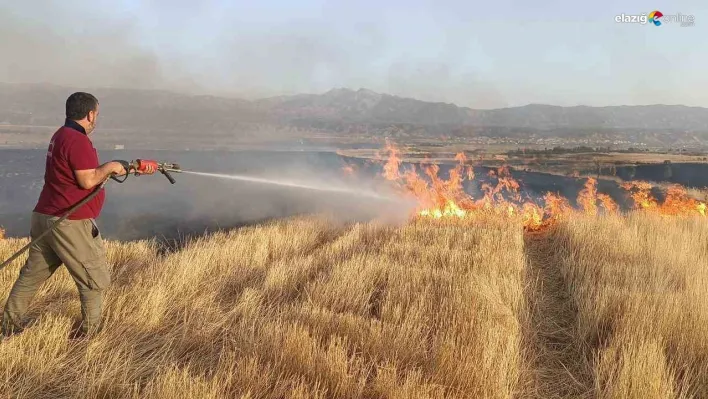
(78, 245)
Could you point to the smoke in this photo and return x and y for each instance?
(198, 203)
(213, 48)
(435, 81)
(72, 43)
(151, 207)
(78, 43)
(430, 51)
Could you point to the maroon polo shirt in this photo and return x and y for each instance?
(70, 149)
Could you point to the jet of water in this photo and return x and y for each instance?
(286, 183)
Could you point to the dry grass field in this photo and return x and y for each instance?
(596, 307)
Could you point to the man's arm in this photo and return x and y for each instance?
(90, 178)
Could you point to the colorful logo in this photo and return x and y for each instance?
(654, 17)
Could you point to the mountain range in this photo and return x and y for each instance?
(366, 105)
(337, 110)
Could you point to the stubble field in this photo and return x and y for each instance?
(610, 307)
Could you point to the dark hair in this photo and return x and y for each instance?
(79, 104)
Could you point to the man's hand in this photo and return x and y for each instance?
(90, 178)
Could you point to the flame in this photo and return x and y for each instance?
(393, 163)
(678, 202)
(556, 206)
(470, 172)
(587, 198)
(450, 209)
(641, 194)
(608, 203)
(438, 197)
(532, 216)
(348, 170)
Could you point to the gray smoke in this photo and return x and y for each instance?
(439, 51)
(71, 43)
(93, 44)
(199, 203)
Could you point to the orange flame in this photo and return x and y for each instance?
(678, 202)
(393, 162)
(461, 158)
(442, 198)
(470, 172)
(641, 194)
(608, 203)
(556, 206)
(587, 198)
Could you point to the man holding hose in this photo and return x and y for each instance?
(72, 172)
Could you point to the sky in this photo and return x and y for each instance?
(488, 54)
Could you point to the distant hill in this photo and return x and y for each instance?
(366, 105)
(650, 117)
(345, 111)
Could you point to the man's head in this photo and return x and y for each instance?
(83, 108)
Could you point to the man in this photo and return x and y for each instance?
(72, 173)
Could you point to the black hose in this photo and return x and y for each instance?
(49, 230)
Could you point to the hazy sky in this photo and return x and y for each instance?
(478, 54)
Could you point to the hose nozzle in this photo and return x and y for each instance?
(165, 168)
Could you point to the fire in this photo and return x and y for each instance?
(679, 203)
(393, 163)
(440, 197)
(532, 216)
(608, 203)
(470, 172)
(556, 205)
(450, 209)
(641, 194)
(587, 198)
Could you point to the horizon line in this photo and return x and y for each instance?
(263, 98)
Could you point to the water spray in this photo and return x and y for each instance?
(165, 168)
(139, 166)
(285, 183)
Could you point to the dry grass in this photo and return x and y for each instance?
(307, 308)
(302, 308)
(639, 285)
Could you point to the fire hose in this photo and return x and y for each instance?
(138, 165)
